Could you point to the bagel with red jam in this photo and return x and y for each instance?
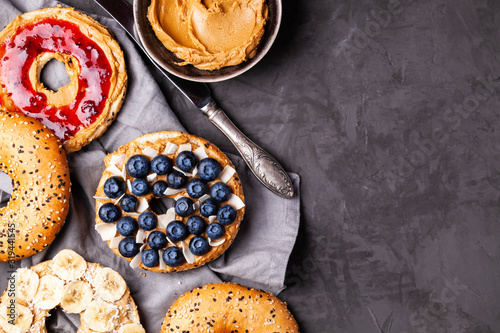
(81, 110)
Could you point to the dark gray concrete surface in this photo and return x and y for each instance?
(389, 111)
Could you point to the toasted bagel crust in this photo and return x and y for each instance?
(228, 307)
(36, 161)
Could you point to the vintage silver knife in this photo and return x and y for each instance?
(267, 170)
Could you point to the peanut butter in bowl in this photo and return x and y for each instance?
(209, 34)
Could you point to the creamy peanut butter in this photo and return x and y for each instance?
(209, 34)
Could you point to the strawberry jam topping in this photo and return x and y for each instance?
(52, 35)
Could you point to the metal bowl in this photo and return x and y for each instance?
(167, 60)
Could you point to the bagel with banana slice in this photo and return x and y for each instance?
(99, 294)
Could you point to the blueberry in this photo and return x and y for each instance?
(184, 207)
(128, 248)
(114, 187)
(127, 226)
(147, 221)
(109, 212)
(199, 245)
(161, 164)
(157, 240)
(129, 203)
(208, 208)
(220, 192)
(159, 188)
(196, 188)
(138, 166)
(177, 231)
(215, 230)
(226, 215)
(209, 169)
(176, 180)
(140, 187)
(172, 256)
(186, 160)
(150, 258)
(195, 225)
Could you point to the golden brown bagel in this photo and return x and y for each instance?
(228, 307)
(36, 161)
(99, 294)
(81, 110)
(116, 164)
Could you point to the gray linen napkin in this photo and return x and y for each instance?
(257, 258)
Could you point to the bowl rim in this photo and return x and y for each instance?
(143, 29)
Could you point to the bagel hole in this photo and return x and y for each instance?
(60, 321)
(160, 205)
(5, 189)
(54, 75)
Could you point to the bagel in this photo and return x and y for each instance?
(99, 294)
(173, 145)
(83, 109)
(36, 162)
(228, 307)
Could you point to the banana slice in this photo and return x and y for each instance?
(14, 317)
(100, 316)
(132, 328)
(110, 286)
(26, 282)
(76, 296)
(49, 292)
(68, 265)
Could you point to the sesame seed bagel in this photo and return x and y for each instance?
(228, 307)
(82, 110)
(36, 162)
(167, 252)
(98, 294)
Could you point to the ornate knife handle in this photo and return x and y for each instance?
(267, 170)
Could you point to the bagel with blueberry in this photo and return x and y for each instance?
(206, 211)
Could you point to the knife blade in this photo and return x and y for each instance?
(264, 167)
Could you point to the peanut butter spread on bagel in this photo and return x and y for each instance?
(209, 34)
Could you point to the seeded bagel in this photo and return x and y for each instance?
(36, 161)
(228, 307)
